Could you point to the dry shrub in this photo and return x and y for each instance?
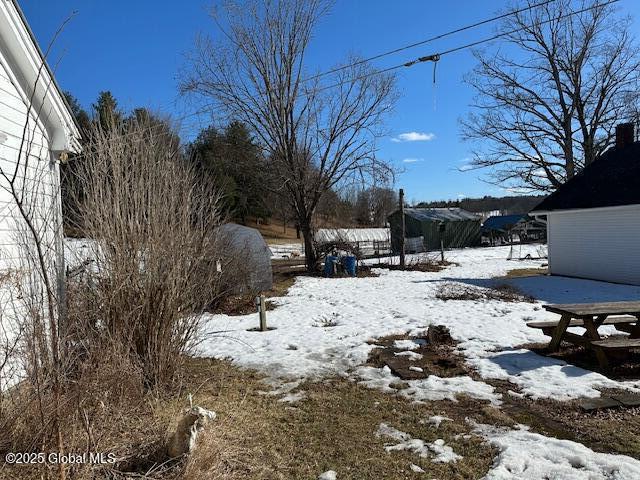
(502, 292)
(425, 262)
(133, 309)
(157, 257)
(105, 409)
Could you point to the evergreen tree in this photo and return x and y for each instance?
(235, 164)
(105, 111)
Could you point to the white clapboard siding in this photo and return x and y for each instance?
(39, 179)
(50, 134)
(600, 243)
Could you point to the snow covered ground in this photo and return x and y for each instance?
(322, 326)
(529, 456)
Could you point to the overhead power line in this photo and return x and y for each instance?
(426, 58)
(436, 56)
(429, 40)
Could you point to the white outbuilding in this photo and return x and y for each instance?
(593, 220)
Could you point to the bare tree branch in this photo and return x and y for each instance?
(549, 107)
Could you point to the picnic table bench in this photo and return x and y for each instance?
(623, 316)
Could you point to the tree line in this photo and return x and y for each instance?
(232, 161)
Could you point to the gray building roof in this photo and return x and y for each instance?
(440, 214)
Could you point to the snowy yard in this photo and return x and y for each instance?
(322, 329)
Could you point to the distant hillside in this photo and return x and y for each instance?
(505, 205)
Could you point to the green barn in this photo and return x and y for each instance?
(456, 227)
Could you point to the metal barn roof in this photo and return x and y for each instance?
(440, 214)
(502, 222)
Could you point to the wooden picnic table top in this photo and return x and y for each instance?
(599, 308)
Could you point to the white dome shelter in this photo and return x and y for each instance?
(247, 246)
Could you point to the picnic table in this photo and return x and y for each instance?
(623, 316)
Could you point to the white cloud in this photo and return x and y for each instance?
(414, 137)
(413, 160)
(465, 168)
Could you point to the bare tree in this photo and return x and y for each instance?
(315, 136)
(548, 101)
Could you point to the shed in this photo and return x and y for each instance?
(593, 220)
(509, 228)
(35, 125)
(251, 257)
(461, 228)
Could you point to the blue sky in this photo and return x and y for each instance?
(136, 49)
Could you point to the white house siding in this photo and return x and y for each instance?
(601, 243)
(39, 182)
(39, 178)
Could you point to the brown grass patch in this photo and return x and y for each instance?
(246, 304)
(608, 431)
(502, 292)
(527, 272)
(332, 428)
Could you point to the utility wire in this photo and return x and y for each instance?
(427, 58)
(429, 40)
(436, 56)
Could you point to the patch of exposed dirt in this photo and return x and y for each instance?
(436, 351)
(502, 292)
(612, 430)
(609, 431)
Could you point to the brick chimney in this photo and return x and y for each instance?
(624, 135)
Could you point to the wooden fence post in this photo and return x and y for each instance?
(262, 310)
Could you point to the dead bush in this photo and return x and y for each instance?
(157, 258)
(501, 292)
(425, 262)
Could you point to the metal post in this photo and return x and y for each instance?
(403, 228)
(262, 311)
